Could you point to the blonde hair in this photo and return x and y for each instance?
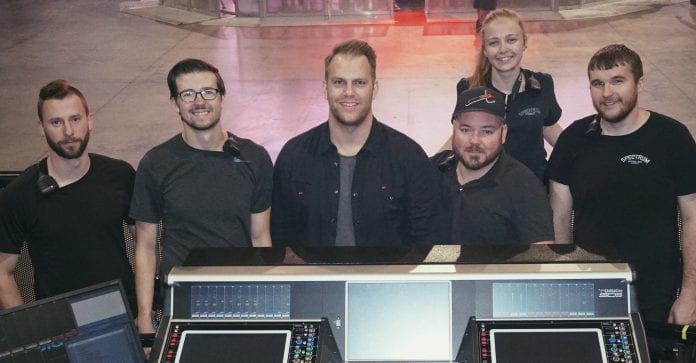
(354, 48)
(483, 70)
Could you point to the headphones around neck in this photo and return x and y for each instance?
(595, 128)
(230, 146)
(45, 183)
(448, 162)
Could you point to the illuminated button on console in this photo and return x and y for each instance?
(618, 338)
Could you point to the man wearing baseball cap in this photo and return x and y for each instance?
(491, 198)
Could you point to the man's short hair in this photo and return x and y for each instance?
(614, 55)
(58, 90)
(355, 48)
(192, 65)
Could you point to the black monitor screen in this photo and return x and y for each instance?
(547, 345)
(88, 325)
(234, 346)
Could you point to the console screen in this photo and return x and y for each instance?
(234, 346)
(407, 321)
(547, 345)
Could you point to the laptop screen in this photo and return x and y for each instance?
(93, 324)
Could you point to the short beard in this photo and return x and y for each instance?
(67, 154)
(481, 164)
(630, 105)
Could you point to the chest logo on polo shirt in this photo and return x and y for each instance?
(531, 111)
(635, 159)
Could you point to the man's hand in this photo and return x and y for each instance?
(144, 325)
(683, 310)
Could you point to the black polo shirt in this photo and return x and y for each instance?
(508, 205)
(394, 191)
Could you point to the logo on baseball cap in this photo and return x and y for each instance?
(480, 99)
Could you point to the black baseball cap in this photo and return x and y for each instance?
(481, 99)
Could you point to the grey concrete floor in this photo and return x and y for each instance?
(274, 74)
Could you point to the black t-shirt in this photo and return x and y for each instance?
(74, 233)
(624, 191)
(204, 198)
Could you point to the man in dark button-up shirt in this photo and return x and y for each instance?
(491, 198)
(353, 180)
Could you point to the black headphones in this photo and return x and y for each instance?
(448, 162)
(230, 146)
(594, 128)
(45, 184)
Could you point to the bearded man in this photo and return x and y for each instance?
(490, 198)
(69, 207)
(626, 174)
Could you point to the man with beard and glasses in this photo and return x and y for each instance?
(353, 181)
(208, 187)
(491, 198)
(69, 207)
(626, 174)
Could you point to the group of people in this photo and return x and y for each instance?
(625, 177)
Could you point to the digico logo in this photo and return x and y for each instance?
(610, 293)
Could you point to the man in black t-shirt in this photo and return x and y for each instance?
(207, 186)
(491, 198)
(69, 207)
(626, 172)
